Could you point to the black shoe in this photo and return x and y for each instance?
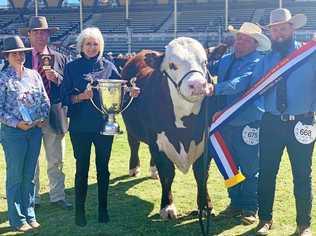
(63, 204)
(103, 216)
(80, 218)
(37, 205)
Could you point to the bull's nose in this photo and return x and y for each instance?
(197, 87)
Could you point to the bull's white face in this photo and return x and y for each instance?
(182, 56)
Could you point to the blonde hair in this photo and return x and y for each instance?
(90, 32)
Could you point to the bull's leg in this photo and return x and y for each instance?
(203, 198)
(134, 163)
(153, 169)
(166, 172)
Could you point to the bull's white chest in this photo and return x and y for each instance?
(183, 159)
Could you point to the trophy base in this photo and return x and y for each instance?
(111, 129)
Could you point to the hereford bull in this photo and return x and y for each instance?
(169, 116)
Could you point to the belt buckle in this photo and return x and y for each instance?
(291, 117)
(286, 117)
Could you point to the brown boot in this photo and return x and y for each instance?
(264, 227)
(303, 230)
(24, 228)
(34, 224)
(248, 218)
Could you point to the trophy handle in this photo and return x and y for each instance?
(128, 89)
(90, 86)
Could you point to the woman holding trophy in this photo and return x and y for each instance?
(86, 121)
(24, 106)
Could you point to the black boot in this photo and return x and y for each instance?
(103, 185)
(80, 217)
(81, 187)
(103, 216)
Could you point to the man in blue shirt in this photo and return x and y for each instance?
(241, 134)
(288, 122)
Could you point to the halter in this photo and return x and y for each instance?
(178, 85)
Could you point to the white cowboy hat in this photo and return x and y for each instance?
(283, 15)
(255, 32)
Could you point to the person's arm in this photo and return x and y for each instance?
(67, 89)
(5, 117)
(234, 86)
(56, 75)
(237, 84)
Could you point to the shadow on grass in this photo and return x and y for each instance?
(129, 215)
(56, 221)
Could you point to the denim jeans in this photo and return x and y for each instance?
(21, 150)
(243, 196)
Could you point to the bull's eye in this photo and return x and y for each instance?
(172, 66)
(204, 63)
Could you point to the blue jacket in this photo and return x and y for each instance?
(233, 80)
(83, 116)
(301, 84)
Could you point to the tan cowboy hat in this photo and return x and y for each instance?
(14, 44)
(38, 23)
(283, 15)
(255, 32)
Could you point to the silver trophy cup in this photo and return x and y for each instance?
(111, 96)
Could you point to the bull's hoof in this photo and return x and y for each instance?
(205, 212)
(134, 172)
(169, 212)
(153, 172)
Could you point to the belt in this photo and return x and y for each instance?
(287, 117)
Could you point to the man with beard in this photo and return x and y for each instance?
(288, 122)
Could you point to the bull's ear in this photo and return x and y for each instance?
(215, 53)
(154, 59)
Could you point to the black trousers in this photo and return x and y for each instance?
(275, 135)
(81, 143)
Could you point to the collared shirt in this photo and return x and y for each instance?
(27, 91)
(301, 84)
(35, 57)
(234, 77)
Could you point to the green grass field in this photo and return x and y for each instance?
(134, 202)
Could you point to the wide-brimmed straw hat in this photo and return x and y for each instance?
(14, 44)
(255, 32)
(38, 23)
(283, 15)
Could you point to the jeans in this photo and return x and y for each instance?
(243, 196)
(21, 150)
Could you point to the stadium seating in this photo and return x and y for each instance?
(151, 24)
